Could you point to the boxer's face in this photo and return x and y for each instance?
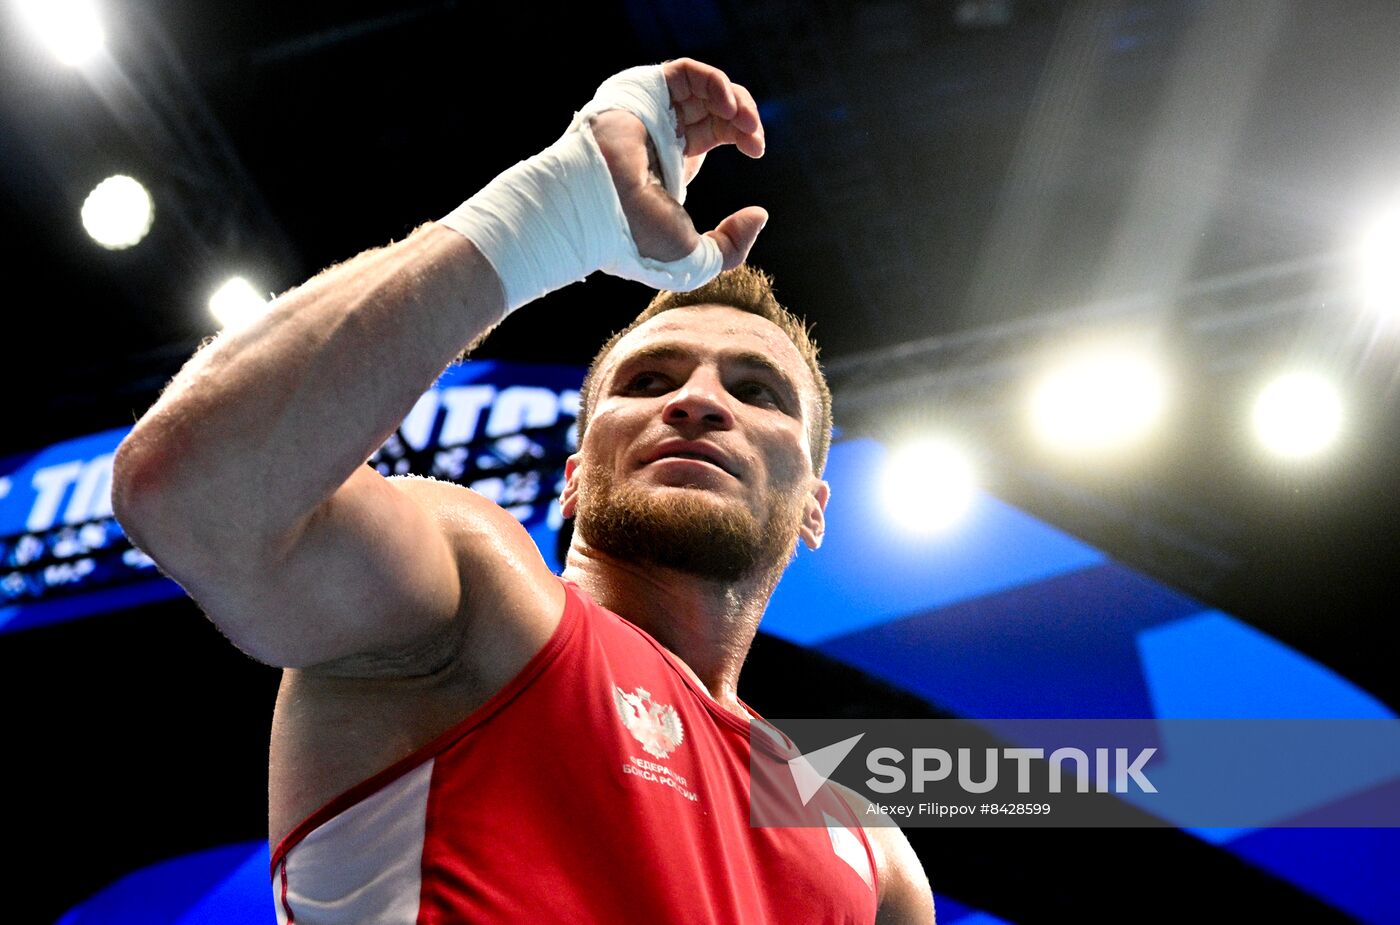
(711, 382)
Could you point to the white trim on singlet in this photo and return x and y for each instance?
(365, 864)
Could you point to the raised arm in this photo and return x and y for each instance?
(247, 482)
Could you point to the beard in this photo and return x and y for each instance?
(685, 529)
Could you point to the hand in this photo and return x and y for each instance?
(712, 111)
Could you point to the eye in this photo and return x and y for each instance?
(643, 382)
(753, 390)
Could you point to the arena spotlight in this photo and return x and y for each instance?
(236, 303)
(118, 212)
(928, 484)
(1298, 415)
(1380, 264)
(1098, 400)
(71, 29)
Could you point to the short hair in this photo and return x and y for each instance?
(748, 289)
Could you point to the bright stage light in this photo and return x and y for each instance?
(928, 485)
(1380, 264)
(236, 303)
(118, 212)
(71, 29)
(1102, 400)
(1298, 415)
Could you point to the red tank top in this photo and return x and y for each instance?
(602, 784)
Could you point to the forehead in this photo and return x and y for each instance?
(715, 330)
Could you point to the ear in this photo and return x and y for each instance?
(568, 499)
(813, 526)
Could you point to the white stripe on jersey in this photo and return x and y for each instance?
(365, 864)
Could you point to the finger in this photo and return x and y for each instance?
(746, 115)
(736, 234)
(692, 110)
(700, 138)
(713, 132)
(703, 130)
(746, 120)
(688, 79)
(748, 129)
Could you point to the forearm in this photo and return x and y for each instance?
(264, 424)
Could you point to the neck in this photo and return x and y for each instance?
(708, 625)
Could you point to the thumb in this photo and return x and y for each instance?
(736, 234)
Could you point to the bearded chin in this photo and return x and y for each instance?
(684, 529)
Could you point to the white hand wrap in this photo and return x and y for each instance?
(553, 219)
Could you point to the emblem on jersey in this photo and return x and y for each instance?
(656, 725)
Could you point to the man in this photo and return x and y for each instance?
(460, 735)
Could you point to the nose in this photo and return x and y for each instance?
(700, 401)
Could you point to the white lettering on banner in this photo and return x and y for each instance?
(522, 407)
(51, 484)
(92, 497)
(451, 462)
(27, 549)
(490, 489)
(416, 428)
(91, 482)
(511, 410)
(465, 404)
(62, 573)
(509, 450)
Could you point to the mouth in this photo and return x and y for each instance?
(691, 456)
(699, 460)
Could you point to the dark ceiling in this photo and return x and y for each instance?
(949, 198)
(961, 195)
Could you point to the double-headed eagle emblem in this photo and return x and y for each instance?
(656, 725)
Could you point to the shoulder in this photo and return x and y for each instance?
(485, 537)
(905, 894)
(509, 601)
(461, 511)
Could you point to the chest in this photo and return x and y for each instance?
(636, 797)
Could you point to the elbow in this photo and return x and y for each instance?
(150, 498)
(128, 480)
(136, 483)
(186, 521)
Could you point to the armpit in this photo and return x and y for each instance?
(430, 657)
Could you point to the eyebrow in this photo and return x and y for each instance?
(747, 358)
